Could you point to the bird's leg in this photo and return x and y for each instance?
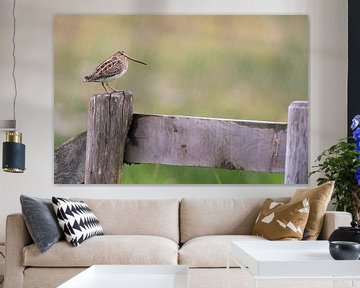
(114, 90)
(108, 85)
(102, 83)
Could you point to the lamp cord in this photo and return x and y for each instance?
(14, 59)
(2, 280)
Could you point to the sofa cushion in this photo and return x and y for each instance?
(41, 221)
(200, 217)
(107, 249)
(319, 198)
(77, 220)
(211, 251)
(158, 217)
(279, 221)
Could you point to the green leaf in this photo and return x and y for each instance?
(339, 163)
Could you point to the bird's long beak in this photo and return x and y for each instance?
(132, 59)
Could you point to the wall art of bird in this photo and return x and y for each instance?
(111, 69)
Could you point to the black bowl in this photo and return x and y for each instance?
(344, 250)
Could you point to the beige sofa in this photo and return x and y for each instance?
(194, 232)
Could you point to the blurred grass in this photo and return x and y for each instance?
(167, 174)
(242, 67)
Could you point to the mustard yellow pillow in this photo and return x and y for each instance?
(319, 198)
(279, 221)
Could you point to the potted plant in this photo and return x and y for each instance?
(341, 163)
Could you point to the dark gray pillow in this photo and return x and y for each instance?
(41, 221)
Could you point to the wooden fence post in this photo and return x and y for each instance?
(296, 161)
(109, 121)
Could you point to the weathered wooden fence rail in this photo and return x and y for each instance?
(97, 156)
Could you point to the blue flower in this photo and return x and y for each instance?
(357, 176)
(355, 122)
(356, 134)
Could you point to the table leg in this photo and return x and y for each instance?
(344, 283)
(228, 269)
(255, 283)
(355, 283)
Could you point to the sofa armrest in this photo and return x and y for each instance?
(17, 237)
(333, 220)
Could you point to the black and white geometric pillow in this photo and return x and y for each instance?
(77, 220)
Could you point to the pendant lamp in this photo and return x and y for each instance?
(13, 160)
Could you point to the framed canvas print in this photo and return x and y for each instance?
(175, 99)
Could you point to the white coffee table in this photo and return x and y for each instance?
(297, 260)
(131, 276)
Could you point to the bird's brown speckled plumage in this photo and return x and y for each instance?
(112, 68)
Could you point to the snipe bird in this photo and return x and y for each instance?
(111, 69)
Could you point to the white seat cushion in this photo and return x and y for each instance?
(211, 251)
(107, 249)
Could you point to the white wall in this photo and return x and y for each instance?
(328, 65)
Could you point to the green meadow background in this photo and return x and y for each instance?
(241, 67)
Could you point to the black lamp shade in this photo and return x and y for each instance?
(13, 157)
